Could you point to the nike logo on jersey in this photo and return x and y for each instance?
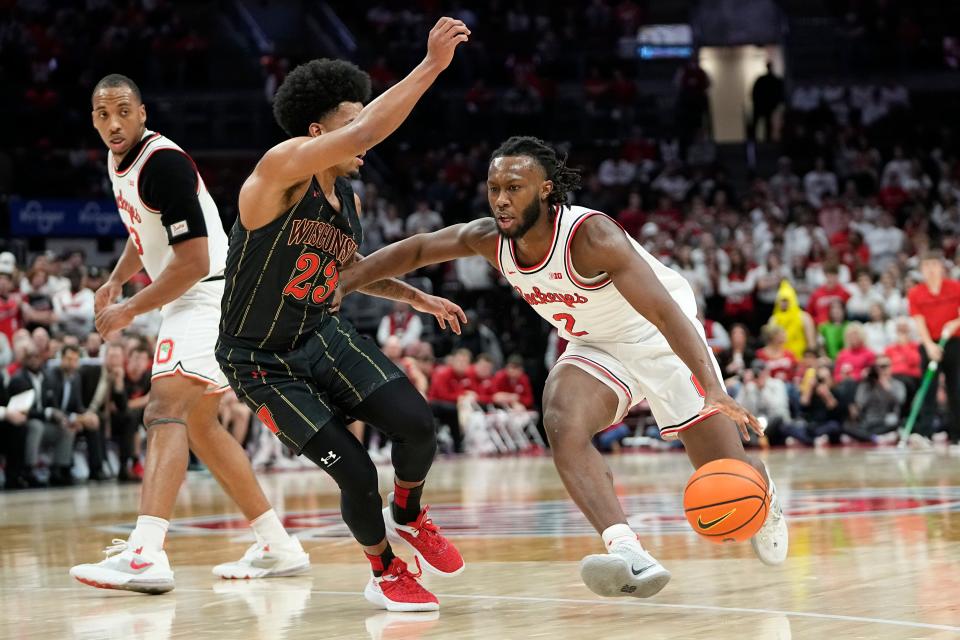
(710, 525)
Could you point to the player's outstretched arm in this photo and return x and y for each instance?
(602, 246)
(299, 158)
(457, 241)
(392, 289)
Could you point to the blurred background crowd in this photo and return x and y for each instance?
(799, 204)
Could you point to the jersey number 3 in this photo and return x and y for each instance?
(136, 239)
(308, 264)
(568, 321)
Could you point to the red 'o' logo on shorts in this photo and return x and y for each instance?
(267, 418)
(164, 351)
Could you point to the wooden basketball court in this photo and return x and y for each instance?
(875, 553)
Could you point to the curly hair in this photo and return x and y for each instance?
(314, 89)
(554, 165)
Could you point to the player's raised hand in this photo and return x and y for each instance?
(729, 407)
(443, 41)
(441, 309)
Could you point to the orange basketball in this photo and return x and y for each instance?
(726, 500)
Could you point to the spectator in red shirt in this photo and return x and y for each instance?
(512, 385)
(855, 357)
(935, 307)
(825, 294)
(905, 357)
(780, 361)
(393, 349)
(481, 379)
(10, 300)
(448, 383)
(632, 218)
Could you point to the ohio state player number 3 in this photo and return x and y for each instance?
(568, 321)
(308, 264)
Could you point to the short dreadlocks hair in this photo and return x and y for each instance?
(314, 89)
(115, 80)
(554, 165)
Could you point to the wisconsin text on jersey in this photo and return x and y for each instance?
(324, 236)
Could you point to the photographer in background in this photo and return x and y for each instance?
(822, 411)
(878, 403)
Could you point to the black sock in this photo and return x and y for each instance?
(406, 503)
(380, 563)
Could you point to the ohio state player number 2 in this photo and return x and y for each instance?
(568, 321)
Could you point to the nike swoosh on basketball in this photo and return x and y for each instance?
(637, 573)
(709, 525)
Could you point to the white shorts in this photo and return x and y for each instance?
(188, 336)
(648, 370)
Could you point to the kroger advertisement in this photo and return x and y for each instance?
(65, 218)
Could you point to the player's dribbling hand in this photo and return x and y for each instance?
(105, 295)
(441, 309)
(113, 318)
(729, 407)
(443, 41)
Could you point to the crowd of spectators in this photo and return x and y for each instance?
(802, 270)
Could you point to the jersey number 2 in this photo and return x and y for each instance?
(308, 264)
(568, 321)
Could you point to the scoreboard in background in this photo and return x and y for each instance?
(658, 41)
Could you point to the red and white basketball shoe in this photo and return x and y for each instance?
(431, 548)
(399, 590)
(129, 569)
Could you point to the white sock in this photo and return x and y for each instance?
(619, 534)
(268, 529)
(149, 532)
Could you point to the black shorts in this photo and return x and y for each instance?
(295, 393)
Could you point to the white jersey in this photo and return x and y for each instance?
(586, 310)
(148, 232)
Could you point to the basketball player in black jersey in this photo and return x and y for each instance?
(304, 371)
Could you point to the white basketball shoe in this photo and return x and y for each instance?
(625, 570)
(772, 540)
(129, 569)
(267, 561)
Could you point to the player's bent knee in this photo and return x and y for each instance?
(563, 432)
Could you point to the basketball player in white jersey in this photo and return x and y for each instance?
(633, 333)
(177, 236)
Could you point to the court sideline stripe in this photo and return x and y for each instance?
(627, 603)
